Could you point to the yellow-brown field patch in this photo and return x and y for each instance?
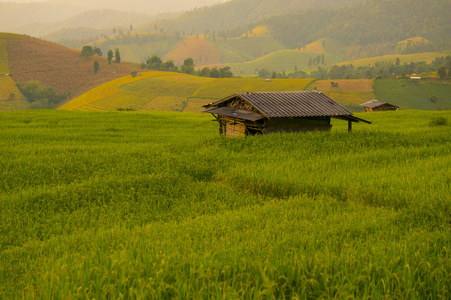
(344, 85)
(315, 47)
(196, 47)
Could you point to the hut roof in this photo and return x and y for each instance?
(375, 103)
(288, 104)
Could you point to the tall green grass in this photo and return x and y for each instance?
(158, 205)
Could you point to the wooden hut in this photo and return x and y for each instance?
(267, 112)
(376, 105)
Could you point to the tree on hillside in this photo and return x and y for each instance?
(96, 67)
(225, 72)
(117, 56)
(110, 56)
(441, 71)
(169, 66)
(154, 62)
(40, 96)
(97, 51)
(214, 73)
(188, 66)
(87, 51)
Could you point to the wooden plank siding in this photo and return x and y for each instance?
(298, 124)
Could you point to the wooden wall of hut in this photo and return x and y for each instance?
(384, 107)
(231, 127)
(297, 124)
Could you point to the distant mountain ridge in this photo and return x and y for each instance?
(17, 15)
(235, 13)
(101, 19)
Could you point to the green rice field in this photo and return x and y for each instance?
(409, 94)
(148, 205)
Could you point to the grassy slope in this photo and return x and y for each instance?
(283, 60)
(413, 94)
(172, 91)
(428, 57)
(96, 205)
(59, 67)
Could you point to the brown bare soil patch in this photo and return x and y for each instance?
(200, 50)
(59, 67)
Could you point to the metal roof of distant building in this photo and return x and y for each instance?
(372, 103)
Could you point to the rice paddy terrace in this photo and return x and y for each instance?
(172, 92)
(159, 205)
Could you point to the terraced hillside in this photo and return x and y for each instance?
(283, 60)
(172, 92)
(427, 57)
(58, 67)
(10, 96)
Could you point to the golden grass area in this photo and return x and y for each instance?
(166, 91)
(199, 49)
(258, 31)
(315, 47)
(227, 86)
(10, 96)
(414, 40)
(111, 88)
(6, 35)
(428, 57)
(350, 98)
(344, 85)
(348, 91)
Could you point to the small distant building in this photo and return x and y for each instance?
(270, 112)
(376, 105)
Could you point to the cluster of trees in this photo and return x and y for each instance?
(116, 55)
(440, 64)
(154, 62)
(39, 96)
(265, 73)
(88, 51)
(224, 72)
(316, 60)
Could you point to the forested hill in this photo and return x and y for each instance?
(374, 28)
(235, 13)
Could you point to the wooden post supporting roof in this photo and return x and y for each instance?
(349, 125)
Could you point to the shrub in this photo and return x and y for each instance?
(438, 121)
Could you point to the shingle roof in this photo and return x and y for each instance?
(294, 104)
